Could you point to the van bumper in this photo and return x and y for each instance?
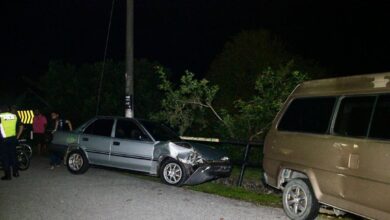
(271, 171)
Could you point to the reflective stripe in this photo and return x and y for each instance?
(26, 116)
(8, 125)
(2, 131)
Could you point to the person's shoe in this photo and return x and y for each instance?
(15, 174)
(52, 167)
(6, 178)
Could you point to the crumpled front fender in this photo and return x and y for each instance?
(173, 150)
(197, 169)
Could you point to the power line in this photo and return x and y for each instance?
(104, 59)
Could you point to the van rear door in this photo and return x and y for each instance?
(366, 174)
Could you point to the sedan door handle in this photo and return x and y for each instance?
(85, 139)
(116, 143)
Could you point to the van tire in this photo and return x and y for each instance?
(299, 201)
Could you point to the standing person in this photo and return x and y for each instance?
(60, 124)
(19, 123)
(39, 129)
(8, 144)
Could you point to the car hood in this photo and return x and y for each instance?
(208, 152)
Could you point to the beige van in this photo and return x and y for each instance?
(330, 145)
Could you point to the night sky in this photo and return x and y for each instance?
(345, 37)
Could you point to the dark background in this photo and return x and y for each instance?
(345, 37)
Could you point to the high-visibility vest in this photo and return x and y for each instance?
(8, 125)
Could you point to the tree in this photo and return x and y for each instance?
(188, 104)
(253, 117)
(185, 105)
(243, 58)
(148, 97)
(73, 90)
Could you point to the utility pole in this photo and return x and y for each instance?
(129, 92)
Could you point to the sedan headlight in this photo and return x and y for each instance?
(225, 158)
(195, 158)
(192, 158)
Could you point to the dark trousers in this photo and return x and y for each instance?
(55, 159)
(8, 150)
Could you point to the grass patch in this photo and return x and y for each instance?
(229, 191)
(239, 193)
(251, 173)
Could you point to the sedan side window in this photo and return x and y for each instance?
(101, 127)
(127, 129)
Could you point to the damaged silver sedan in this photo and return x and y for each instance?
(140, 145)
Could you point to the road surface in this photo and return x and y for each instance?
(41, 193)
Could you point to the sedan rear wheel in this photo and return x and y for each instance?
(172, 173)
(76, 162)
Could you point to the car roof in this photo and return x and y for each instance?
(118, 117)
(360, 84)
(138, 120)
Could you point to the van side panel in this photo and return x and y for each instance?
(352, 174)
(328, 168)
(311, 151)
(368, 181)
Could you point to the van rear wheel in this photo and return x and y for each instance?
(299, 201)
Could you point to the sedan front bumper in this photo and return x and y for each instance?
(210, 171)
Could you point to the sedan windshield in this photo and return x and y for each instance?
(159, 131)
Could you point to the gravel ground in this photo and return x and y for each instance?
(41, 193)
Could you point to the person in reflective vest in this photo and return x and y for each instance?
(8, 142)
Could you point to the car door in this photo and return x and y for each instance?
(304, 143)
(96, 140)
(131, 147)
(368, 175)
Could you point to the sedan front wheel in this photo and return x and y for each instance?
(172, 173)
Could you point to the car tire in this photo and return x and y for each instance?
(173, 173)
(299, 201)
(77, 162)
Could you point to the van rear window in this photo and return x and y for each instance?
(311, 115)
(354, 116)
(380, 125)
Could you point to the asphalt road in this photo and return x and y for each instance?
(41, 193)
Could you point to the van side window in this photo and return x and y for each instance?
(380, 125)
(354, 116)
(310, 115)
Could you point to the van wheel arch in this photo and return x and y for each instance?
(286, 175)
